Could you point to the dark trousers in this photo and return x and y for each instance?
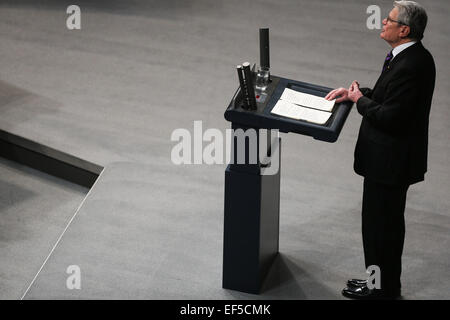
(383, 230)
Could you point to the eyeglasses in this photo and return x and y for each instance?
(392, 20)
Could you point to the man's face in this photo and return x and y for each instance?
(391, 29)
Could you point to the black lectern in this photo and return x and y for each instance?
(252, 198)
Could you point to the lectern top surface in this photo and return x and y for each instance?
(263, 118)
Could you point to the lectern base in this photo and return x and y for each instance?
(251, 228)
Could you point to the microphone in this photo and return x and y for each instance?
(249, 83)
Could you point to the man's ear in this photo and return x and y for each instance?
(404, 32)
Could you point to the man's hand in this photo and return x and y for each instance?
(340, 92)
(353, 92)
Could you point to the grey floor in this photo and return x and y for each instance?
(34, 210)
(113, 92)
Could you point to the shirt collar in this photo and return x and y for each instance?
(401, 47)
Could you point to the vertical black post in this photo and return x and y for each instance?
(264, 52)
(251, 222)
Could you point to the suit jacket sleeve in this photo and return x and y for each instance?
(394, 112)
(366, 91)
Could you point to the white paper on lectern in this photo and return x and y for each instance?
(291, 110)
(307, 100)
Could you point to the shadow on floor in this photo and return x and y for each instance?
(12, 194)
(14, 100)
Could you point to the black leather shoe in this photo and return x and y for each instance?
(364, 293)
(356, 283)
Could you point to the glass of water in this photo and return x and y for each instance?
(262, 79)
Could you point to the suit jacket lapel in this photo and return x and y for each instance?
(395, 60)
(403, 54)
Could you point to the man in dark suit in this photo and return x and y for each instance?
(391, 151)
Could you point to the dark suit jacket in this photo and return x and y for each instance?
(392, 143)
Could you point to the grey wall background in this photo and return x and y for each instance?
(116, 89)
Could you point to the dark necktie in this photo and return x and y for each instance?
(387, 60)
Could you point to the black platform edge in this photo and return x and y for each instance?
(48, 160)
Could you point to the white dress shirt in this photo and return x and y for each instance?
(401, 47)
